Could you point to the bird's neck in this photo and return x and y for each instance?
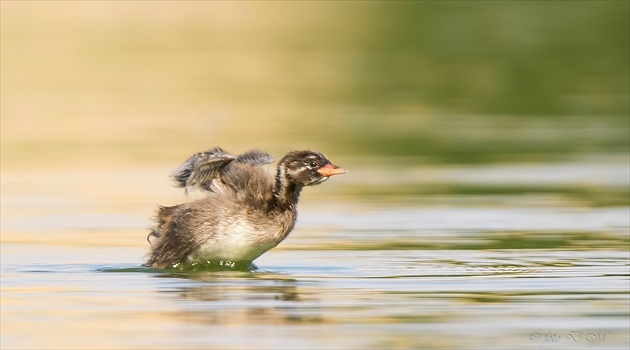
(285, 192)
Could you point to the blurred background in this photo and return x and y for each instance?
(138, 83)
(487, 142)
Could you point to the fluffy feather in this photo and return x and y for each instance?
(246, 212)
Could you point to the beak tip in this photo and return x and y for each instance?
(331, 169)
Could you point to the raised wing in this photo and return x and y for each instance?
(203, 168)
(255, 158)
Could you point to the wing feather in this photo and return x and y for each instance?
(203, 168)
(255, 158)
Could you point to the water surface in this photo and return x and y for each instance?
(412, 262)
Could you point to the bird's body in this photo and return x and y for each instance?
(246, 212)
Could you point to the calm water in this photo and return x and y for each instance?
(479, 257)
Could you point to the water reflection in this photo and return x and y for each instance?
(237, 298)
(485, 296)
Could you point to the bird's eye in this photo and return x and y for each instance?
(313, 164)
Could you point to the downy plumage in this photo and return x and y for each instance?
(246, 211)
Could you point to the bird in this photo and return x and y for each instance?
(245, 212)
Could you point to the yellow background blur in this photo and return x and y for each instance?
(115, 82)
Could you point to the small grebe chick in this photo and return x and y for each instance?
(246, 211)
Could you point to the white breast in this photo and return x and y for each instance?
(237, 241)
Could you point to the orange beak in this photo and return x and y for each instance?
(331, 169)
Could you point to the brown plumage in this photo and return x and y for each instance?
(246, 212)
